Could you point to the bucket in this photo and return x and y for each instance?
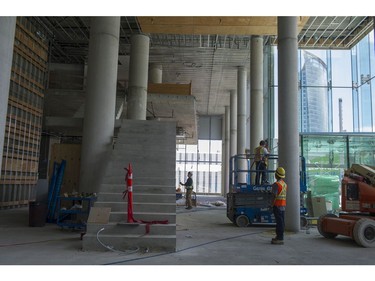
(37, 214)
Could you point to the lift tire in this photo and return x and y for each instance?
(328, 235)
(364, 233)
(242, 221)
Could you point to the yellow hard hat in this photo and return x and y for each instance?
(280, 172)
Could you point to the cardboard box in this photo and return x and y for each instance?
(319, 206)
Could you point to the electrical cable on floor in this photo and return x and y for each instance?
(111, 248)
(188, 248)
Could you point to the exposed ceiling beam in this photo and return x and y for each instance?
(213, 25)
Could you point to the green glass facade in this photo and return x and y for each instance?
(329, 155)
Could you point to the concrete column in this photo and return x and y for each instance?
(241, 120)
(268, 111)
(156, 73)
(223, 156)
(233, 123)
(256, 92)
(226, 149)
(7, 31)
(288, 116)
(99, 117)
(241, 110)
(138, 77)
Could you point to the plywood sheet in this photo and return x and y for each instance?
(255, 25)
(72, 154)
(171, 89)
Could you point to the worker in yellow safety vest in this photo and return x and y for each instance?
(260, 160)
(279, 189)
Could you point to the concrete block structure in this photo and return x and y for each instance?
(154, 198)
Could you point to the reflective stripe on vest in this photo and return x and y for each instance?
(280, 199)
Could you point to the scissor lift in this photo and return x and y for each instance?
(249, 203)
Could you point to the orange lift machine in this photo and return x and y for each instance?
(357, 218)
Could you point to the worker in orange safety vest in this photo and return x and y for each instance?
(279, 189)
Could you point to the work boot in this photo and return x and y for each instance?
(188, 208)
(277, 242)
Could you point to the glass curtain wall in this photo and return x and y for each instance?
(326, 158)
(313, 98)
(335, 89)
(362, 76)
(336, 113)
(329, 155)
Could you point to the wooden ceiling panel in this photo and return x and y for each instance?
(213, 25)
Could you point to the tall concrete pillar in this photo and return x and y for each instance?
(155, 73)
(226, 150)
(241, 120)
(268, 104)
(256, 92)
(233, 123)
(138, 77)
(241, 110)
(223, 156)
(99, 117)
(288, 116)
(7, 31)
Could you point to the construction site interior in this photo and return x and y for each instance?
(80, 188)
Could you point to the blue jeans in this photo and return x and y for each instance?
(280, 224)
(261, 172)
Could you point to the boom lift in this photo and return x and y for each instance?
(357, 218)
(249, 203)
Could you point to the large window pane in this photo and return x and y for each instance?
(343, 111)
(325, 79)
(341, 68)
(203, 150)
(326, 160)
(372, 71)
(215, 178)
(216, 151)
(314, 67)
(362, 150)
(180, 152)
(313, 102)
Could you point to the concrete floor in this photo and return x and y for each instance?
(205, 236)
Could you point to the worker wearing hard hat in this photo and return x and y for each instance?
(279, 189)
(189, 190)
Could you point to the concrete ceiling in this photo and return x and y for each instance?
(202, 52)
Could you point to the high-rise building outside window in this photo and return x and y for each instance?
(330, 79)
(314, 94)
